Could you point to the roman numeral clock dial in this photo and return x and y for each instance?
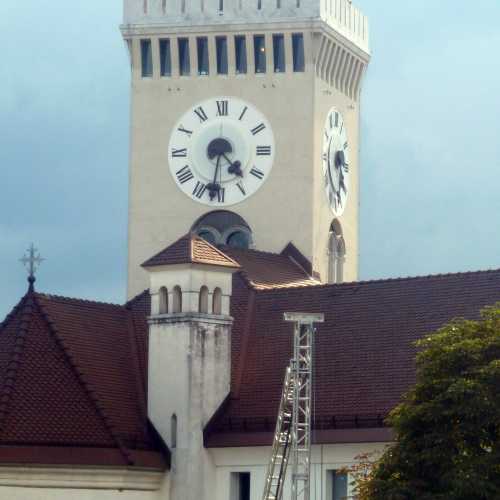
(221, 151)
(335, 161)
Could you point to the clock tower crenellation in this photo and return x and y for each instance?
(246, 113)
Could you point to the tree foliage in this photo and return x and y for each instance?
(448, 425)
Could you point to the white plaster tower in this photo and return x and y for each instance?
(189, 368)
(245, 127)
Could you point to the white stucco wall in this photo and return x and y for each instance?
(18, 493)
(81, 483)
(324, 458)
(219, 463)
(189, 371)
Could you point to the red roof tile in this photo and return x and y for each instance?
(73, 372)
(264, 270)
(191, 249)
(364, 352)
(79, 358)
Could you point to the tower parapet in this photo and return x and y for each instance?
(341, 15)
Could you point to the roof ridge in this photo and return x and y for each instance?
(213, 247)
(87, 386)
(136, 298)
(13, 311)
(26, 307)
(191, 236)
(50, 296)
(390, 280)
(190, 249)
(139, 382)
(252, 250)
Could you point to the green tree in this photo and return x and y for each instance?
(448, 425)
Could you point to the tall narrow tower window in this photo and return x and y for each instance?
(163, 297)
(221, 46)
(184, 61)
(173, 431)
(240, 47)
(259, 48)
(202, 46)
(203, 300)
(279, 53)
(217, 301)
(165, 58)
(298, 52)
(177, 300)
(146, 58)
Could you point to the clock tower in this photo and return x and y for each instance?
(245, 127)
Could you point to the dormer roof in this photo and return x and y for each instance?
(191, 249)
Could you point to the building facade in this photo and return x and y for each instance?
(244, 197)
(278, 82)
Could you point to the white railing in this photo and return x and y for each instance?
(347, 19)
(340, 14)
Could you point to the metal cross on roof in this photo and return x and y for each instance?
(32, 261)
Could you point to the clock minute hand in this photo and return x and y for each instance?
(214, 187)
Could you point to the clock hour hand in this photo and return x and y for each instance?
(234, 167)
(341, 183)
(339, 159)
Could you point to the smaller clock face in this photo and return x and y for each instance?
(221, 151)
(335, 161)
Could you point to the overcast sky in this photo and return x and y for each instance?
(430, 182)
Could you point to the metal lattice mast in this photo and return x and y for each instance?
(293, 426)
(301, 365)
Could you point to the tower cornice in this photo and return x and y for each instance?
(160, 16)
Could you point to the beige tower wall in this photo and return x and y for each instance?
(291, 205)
(327, 97)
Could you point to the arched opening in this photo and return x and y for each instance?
(203, 300)
(209, 234)
(217, 301)
(222, 227)
(336, 253)
(163, 308)
(173, 431)
(239, 238)
(177, 300)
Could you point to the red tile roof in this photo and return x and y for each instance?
(191, 249)
(264, 270)
(73, 373)
(71, 377)
(364, 351)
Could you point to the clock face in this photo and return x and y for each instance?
(335, 161)
(221, 151)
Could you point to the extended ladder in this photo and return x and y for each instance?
(293, 426)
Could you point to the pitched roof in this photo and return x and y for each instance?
(73, 373)
(80, 358)
(363, 354)
(265, 270)
(191, 249)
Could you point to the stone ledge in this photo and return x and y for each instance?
(81, 478)
(190, 317)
